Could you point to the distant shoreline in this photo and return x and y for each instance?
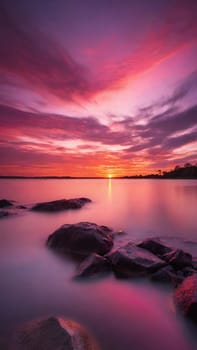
(186, 172)
(148, 177)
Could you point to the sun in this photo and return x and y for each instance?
(109, 176)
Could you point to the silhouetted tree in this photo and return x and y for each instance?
(177, 167)
(187, 165)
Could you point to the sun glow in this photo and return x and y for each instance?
(109, 176)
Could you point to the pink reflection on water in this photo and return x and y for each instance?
(131, 316)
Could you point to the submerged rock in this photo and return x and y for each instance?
(155, 246)
(81, 239)
(185, 297)
(4, 203)
(132, 261)
(93, 266)
(61, 204)
(178, 258)
(53, 333)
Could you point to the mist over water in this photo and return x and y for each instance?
(121, 314)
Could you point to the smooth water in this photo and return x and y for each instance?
(120, 314)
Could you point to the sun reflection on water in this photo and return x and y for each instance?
(109, 188)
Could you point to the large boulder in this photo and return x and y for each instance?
(4, 203)
(53, 333)
(131, 261)
(93, 266)
(61, 204)
(155, 246)
(185, 297)
(81, 239)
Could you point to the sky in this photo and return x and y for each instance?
(92, 88)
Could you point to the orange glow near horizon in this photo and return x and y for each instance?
(109, 100)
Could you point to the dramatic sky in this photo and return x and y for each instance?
(97, 87)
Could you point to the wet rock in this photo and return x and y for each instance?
(131, 261)
(178, 258)
(21, 207)
(61, 204)
(81, 239)
(53, 333)
(93, 266)
(155, 246)
(167, 275)
(185, 297)
(4, 203)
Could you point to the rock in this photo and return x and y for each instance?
(175, 257)
(187, 271)
(167, 274)
(120, 233)
(185, 297)
(61, 204)
(53, 333)
(21, 207)
(81, 239)
(5, 214)
(178, 258)
(194, 263)
(4, 203)
(132, 261)
(155, 246)
(94, 265)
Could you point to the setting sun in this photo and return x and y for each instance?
(109, 176)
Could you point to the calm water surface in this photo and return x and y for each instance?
(121, 315)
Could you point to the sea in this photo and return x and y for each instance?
(35, 283)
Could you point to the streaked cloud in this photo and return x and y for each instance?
(97, 65)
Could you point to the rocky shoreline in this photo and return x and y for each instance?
(92, 249)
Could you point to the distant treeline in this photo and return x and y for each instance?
(188, 171)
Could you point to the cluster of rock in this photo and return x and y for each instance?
(93, 244)
(7, 206)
